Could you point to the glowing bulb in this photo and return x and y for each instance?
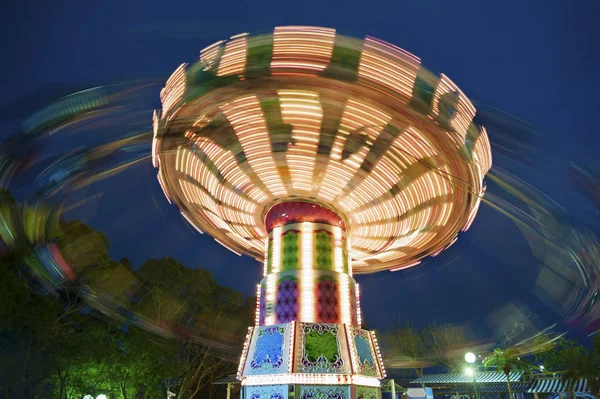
(470, 357)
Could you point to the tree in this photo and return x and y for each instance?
(55, 343)
(508, 360)
(138, 361)
(407, 348)
(585, 365)
(447, 344)
(24, 314)
(574, 362)
(418, 349)
(34, 323)
(209, 320)
(34, 317)
(556, 356)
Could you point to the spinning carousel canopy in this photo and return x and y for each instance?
(355, 126)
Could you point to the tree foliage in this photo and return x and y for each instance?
(508, 360)
(161, 327)
(416, 349)
(574, 362)
(448, 344)
(407, 347)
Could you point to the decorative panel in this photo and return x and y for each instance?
(266, 392)
(262, 307)
(323, 249)
(353, 303)
(269, 350)
(310, 296)
(290, 251)
(328, 300)
(368, 393)
(324, 392)
(286, 308)
(306, 245)
(365, 354)
(322, 348)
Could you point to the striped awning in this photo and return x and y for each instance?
(556, 385)
(456, 378)
(484, 388)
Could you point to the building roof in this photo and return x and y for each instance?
(230, 379)
(556, 385)
(494, 382)
(497, 387)
(456, 378)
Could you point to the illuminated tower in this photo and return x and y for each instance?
(319, 155)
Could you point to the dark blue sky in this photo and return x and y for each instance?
(535, 59)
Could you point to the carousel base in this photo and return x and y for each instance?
(311, 392)
(310, 361)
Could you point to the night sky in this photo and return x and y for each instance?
(537, 60)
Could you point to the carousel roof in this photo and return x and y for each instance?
(355, 125)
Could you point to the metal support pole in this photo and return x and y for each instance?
(475, 385)
(229, 391)
(393, 389)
